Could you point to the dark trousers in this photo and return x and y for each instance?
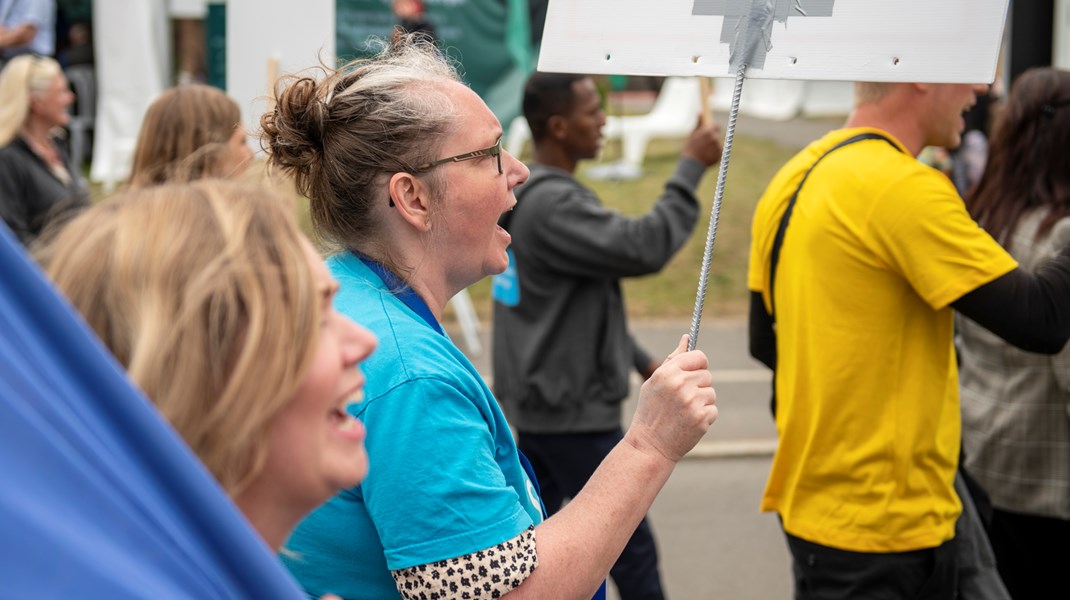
(563, 463)
(1032, 554)
(824, 573)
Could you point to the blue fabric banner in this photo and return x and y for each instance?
(99, 497)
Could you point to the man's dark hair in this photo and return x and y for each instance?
(546, 95)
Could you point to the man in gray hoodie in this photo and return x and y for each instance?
(562, 350)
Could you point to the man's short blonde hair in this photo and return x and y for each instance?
(867, 92)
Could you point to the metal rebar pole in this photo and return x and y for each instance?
(711, 234)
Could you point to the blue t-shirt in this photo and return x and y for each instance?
(445, 477)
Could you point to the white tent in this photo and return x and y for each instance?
(133, 63)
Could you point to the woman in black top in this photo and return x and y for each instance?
(37, 179)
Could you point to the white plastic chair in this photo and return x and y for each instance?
(518, 134)
(674, 115)
(828, 98)
(469, 322)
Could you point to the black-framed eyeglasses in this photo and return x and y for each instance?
(495, 151)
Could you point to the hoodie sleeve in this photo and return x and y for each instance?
(578, 236)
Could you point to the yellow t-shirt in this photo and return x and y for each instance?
(877, 248)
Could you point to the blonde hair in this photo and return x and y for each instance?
(184, 135)
(867, 92)
(23, 77)
(204, 293)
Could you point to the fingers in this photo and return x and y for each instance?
(704, 144)
(687, 360)
(701, 401)
(710, 413)
(695, 360)
(677, 405)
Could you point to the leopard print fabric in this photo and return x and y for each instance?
(489, 573)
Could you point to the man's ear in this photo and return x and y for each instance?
(410, 198)
(557, 127)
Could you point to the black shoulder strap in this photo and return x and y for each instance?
(778, 241)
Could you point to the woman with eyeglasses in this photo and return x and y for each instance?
(407, 178)
(1016, 404)
(37, 179)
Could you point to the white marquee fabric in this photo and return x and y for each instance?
(133, 58)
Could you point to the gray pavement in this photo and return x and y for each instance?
(712, 540)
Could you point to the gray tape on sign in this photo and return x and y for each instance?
(748, 24)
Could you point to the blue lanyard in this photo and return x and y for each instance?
(402, 291)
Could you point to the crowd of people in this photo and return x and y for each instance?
(366, 450)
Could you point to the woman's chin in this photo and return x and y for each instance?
(497, 267)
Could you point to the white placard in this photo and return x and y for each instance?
(952, 41)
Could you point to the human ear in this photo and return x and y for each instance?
(557, 126)
(411, 200)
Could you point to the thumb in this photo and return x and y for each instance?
(680, 348)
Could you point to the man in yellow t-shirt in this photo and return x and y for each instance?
(879, 251)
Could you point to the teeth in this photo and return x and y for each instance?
(348, 423)
(356, 398)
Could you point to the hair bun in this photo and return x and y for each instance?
(293, 133)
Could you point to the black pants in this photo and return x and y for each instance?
(1032, 554)
(563, 463)
(824, 573)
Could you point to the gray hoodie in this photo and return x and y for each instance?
(562, 351)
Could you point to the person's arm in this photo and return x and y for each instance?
(644, 363)
(18, 36)
(761, 332)
(1030, 311)
(23, 34)
(578, 545)
(570, 554)
(567, 230)
(573, 233)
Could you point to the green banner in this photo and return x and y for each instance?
(490, 39)
(215, 36)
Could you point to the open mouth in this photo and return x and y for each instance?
(502, 216)
(340, 415)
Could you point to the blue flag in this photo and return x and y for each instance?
(99, 497)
